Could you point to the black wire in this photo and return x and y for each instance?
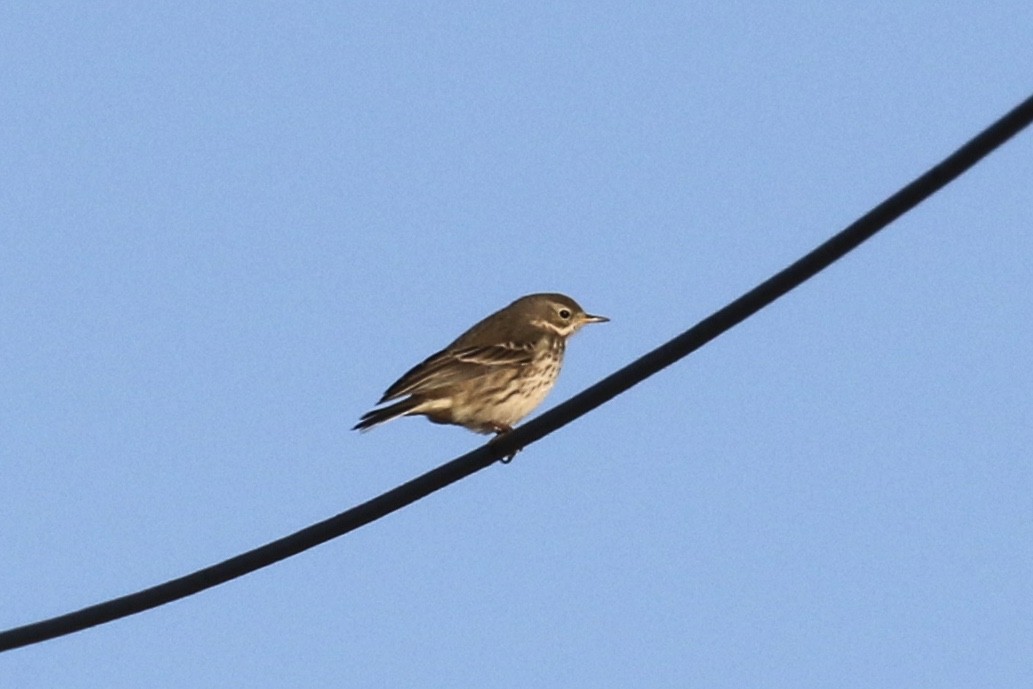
(603, 391)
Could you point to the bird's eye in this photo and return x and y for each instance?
(564, 314)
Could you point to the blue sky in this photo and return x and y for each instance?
(226, 229)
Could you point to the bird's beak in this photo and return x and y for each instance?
(595, 319)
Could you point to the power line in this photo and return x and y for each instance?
(603, 391)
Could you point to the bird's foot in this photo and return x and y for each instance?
(502, 429)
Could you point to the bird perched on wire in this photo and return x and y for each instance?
(495, 373)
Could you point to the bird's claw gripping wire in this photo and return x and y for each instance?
(501, 430)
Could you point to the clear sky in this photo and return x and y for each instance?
(225, 228)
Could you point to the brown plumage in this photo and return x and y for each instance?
(495, 373)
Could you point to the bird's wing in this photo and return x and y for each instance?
(449, 367)
(506, 354)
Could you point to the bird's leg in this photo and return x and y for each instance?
(500, 430)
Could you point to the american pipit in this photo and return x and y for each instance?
(495, 373)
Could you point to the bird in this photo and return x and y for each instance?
(494, 374)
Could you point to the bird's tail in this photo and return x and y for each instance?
(378, 416)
